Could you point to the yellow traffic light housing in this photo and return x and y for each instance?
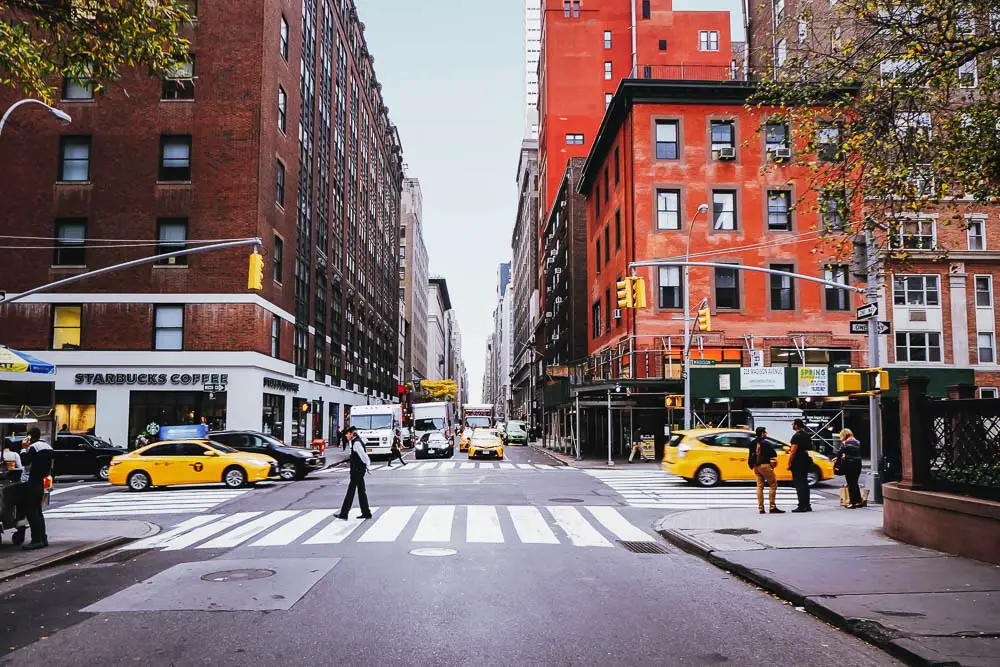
(638, 292)
(848, 382)
(255, 278)
(705, 319)
(624, 290)
(881, 379)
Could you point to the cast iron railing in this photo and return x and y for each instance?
(965, 446)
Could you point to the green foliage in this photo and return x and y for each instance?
(97, 40)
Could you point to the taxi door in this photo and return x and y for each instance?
(202, 465)
(731, 451)
(162, 463)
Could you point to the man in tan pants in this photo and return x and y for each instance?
(765, 458)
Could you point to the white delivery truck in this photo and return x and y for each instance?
(376, 425)
(438, 416)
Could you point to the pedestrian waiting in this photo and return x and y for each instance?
(763, 459)
(847, 462)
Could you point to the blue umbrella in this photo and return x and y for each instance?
(13, 361)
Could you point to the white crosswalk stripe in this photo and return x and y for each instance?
(655, 489)
(127, 503)
(593, 526)
(441, 466)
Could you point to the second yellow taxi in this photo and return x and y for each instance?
(708, 456)
(485, 442)
(189, 462)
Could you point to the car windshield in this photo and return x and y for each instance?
(515, 427)
(436, 437)
(485, 436)
(429, 423)
(219, 447)
(477, 422)
(371, 422)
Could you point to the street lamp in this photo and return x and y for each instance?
(687, 320)
(58, 114)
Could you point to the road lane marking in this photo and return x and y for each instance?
(483, 525)
(337, 530)
(294, 529)
(576, 527)
(611, 519)
(204, 532)
(468, 466)
(506, 466)
(161, 538)
(525, 466)
(243, 533)
(435, 525)
(388, 526)
(530, 525)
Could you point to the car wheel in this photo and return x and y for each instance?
(814, 476)
(139, 480)
(234, 477)
(104, 470)
(707, 475)
(288, 471)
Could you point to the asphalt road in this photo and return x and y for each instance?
(532, 572)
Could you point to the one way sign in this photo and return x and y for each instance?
(861, 327)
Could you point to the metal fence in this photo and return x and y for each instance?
(690, 73)
(965, 446)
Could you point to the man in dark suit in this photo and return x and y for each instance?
(360, 463)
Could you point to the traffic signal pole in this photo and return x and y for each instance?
(874, 397)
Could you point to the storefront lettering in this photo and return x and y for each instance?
(151, 379)
(280, 385)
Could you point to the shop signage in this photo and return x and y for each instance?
(184, 432)
(725, 383)
(757, 358)
(762, 378)
(703, 362)
(151, 379)
(280, 385)
(814, 381)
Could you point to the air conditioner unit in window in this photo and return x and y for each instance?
(728, 153)
(618, 313)
(778, 154)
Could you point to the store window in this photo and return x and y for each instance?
(300, 421)
(66, 327)
(273, 416)
(789, 356)
(76, 411)
(170, 408)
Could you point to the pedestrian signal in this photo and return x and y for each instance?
(705, 319)
(255, 279)
(625, 296)
(638, 292)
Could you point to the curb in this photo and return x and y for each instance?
(549, 454)
(65, 557)
(903, 648)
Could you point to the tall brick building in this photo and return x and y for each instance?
(276, 130)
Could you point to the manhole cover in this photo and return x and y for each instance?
(565, 500)
(238, 575)
(433, 551)
(736, 531)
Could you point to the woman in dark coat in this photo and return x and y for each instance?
(848, 461)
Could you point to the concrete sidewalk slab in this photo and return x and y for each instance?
(923, 606)
(597, 464)
(70, 539)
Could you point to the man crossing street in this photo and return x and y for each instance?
(360, 463)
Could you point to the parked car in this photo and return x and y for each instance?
(293, 462)
(82, 455)
(174, 462)
(434, 444)
(708, 456)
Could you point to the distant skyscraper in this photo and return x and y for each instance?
(532, 51)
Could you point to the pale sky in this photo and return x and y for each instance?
(451, 74)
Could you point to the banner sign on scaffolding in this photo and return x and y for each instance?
(814, 381)
(762, 378)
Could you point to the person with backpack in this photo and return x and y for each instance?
(762, 459)
(847, 462)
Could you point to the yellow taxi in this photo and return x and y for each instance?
(708, 456)
(485, 442)
(189, 462)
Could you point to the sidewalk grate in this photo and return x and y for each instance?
(736, 531)
(643, 547)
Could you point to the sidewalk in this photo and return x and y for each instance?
(923, 606)
(69, 540)
(569, 460)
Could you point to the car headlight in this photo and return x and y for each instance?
(384, 439)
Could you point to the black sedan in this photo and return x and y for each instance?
(83, 455)
(434, 444)
(293, 462)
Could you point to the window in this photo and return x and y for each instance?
(724, 210)
(282, 108)
(77, 89)
(283, 38)
(666, 140)
(977, 233)
(607, 245)
(828, 141)
(668, 213)
(986, 345)
(607, 100)
(66, 327)
(618, 166)
(275, 336)
(607, 309)
(779, 11)
(168, 327)
(607, 186)
(574, 139)
(917, 234)
(918, 346)
(663, 45)
(779, 216)
(670, 287)
(782, 288)
(279, 183)
(175, 158)
(597, 259)
(968, 77)
(566, 9)
(708, 40)
(915, 291)
(723, 136)
(607, 39)
(984, 292)
(775, 136)
(727, 288)
(277, 259)
(595, 319)
(645, 9)
(989, 392)
(69, 246)
(179, 83)
(833, 210)
(171, 236)
(618, 230)
(74, 157)
(607, 70)
(836, 299)
(781, 52)
(576, 9)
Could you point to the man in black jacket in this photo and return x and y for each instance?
(799, 463)
(37, 458)
(359, 467)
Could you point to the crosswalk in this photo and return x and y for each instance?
(654, 489)
(587, 526)
(447, 465)
(150, 503)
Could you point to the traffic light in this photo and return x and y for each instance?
(305, 408)
(255, 279)
(673, 401)
(626, 299)
(638, 292)
(705, 319)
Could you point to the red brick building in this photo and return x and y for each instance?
(276, 130)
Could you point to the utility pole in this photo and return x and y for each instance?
(610, 461)
(874, 397)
